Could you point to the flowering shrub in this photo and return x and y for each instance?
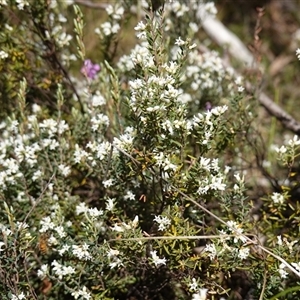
(126, 181)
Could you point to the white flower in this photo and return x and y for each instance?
(3, 54)
(194, 27)
(212, 251)
(201, 295)
(277, 198)
(37, 175)
(43, 271)
(98, 99)
(81, 208)
(18, 297)
(116, 263)
(156, 260)
(110, 204)
(281, 150)
(82, 293)
(117, 228)
(282, 272)
(140, 26)
(194, 285)
(108, 183)
(179, 42)
(95, 212)
(46, 224)
(163, 222)
(129, 196)
(21, 4)
(279, 240)
(112, 253)
(243, 253)
(61, 270)
(65, 248)
(82, 251)
(237, 230)
(294, 142)
(65, 170)
(99, 120)
(298, 53)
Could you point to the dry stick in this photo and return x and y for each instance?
(212, 215)
(224, 37)
(261, 296)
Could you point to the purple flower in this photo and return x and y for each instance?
(208, 106)
(89, 69)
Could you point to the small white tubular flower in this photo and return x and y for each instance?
(211, 250)
(163, 222)
(141, 29)
(194, 285)
(64, 170)
(98, 99)
(201, 295)
(99, 120)
(129, 196)
(110, 204)
(112, 253)
(279, 240)
(108, 183)
(298, 53)
(82, 293)
(3, 54)
(294, 141)
(18, 297)
(243, 253)
(237, 230)
(117, 228)
(81, 208)
(81, 252)
(116, 263)
(280, 150)
(156, 260)
(179, 42)
(282, 272)
(135, 222)
(277, 198)
(61, 270)
(46, 224)
(43, 271)
(95, 212)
